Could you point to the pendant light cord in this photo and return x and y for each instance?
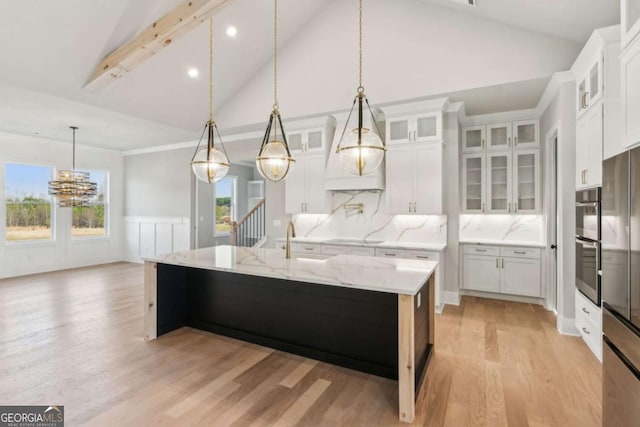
(73, 164)
(275, 54)
(211, 69)
(360, 87)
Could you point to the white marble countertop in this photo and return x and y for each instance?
(439, 247)
(392, 275)
(522, 243)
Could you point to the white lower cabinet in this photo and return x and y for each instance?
(589, 323)
(505, 270)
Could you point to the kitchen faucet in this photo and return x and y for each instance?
(292, 228)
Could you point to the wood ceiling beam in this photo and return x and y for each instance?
(185, 17)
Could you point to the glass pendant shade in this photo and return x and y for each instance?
(210, 164)
(361, 155)
(274, 158)
(71, 187)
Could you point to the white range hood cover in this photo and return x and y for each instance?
(336, 178)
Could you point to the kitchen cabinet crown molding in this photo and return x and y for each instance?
(502, 117)
(599, 38)
(432, 105)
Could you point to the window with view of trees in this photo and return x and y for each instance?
(28, 205)
(91, 221)
(225, 191)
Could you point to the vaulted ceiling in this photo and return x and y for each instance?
(48, 49)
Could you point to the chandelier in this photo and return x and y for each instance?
(72, 187)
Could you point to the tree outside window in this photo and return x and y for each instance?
(91, 221)
(27, 203)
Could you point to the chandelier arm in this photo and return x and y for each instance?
(266, 134)
(199, 141)
(360, 120)
(284, 137)
(221, 143)
(373, 120)
(346, 124)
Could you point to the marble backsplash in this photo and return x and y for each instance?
(372, 224)
(507, 228)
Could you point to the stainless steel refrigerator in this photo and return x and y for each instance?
(620, 287)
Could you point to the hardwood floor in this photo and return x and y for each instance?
(75, 338)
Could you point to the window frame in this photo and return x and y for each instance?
(234, 205)
(105, 203)
(51, 241)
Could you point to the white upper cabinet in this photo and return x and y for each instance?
(501, 136)
(423, 127)
(304, 186)
(589, 140)
(630, 21)
(526, 181)
(590, 84)
(526, 133)
(473, 183)
(499, 182)
(473, 138)
(312, 140)
(630, 96)
(414, 179)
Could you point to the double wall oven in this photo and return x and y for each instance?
(588, 235)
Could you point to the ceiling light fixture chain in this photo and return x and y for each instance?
(275, 55)
(211, 69)
(360, 87)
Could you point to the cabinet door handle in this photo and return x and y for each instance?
(409, 206)
(586, 331)
(503, 263)
(497, 263)
(585, 311)
(584, 100)
(482, 207)
(415, 138)
(509, 142)
(415, 209)
(586, 176)
(515, 141)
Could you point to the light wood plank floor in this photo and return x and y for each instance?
(75, 338)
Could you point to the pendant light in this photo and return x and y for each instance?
(210, 164)
(274, 158)
(362, 150)
(72, 187)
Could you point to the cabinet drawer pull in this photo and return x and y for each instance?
(586, 331)
(520, 252)
(584, 310)
(480, 250)
(483, 207)
(308, 248)
(423, 257)
(389, 254)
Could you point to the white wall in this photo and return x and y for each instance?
(410, 51)
(561, 114)
(62, 252)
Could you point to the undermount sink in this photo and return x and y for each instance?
(354, 241)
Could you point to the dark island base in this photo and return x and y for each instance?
(354, 328)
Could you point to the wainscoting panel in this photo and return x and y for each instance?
(150, 236)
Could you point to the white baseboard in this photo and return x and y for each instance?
(567, 326)
(502, 297)
(451, 297)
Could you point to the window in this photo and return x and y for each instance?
(27, 203)
(225, 193)
(91, 221)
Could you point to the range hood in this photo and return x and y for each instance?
(336, 179)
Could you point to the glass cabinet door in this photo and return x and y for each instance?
(582, 95)
(499, 136)
(473, 182)
(473, 138)
(427, 128)
(398, 130)
(499, 182)
(526, 133)
(314, 140)
(295, 141)
(527, 181)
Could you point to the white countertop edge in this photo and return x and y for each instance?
(527, 244)
(313, 280)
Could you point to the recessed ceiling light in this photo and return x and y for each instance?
(193, 72)
(232, 31)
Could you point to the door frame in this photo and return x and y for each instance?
(551, 289)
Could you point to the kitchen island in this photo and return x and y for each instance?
(375, 315)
